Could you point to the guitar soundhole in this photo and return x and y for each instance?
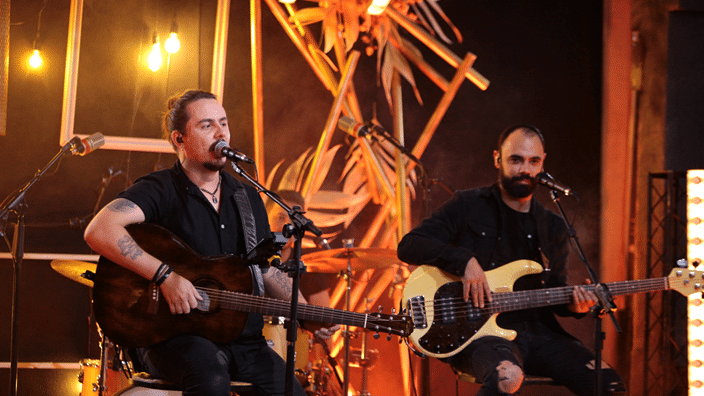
(209, 289)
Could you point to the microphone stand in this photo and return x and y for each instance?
(605, 304)
(377, 129)
(16, 203)
(294, 267)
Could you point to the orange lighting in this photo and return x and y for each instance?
(154, 59)
(35, 61)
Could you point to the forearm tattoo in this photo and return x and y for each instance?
(128, 247)
(121, 205)
(282, 280)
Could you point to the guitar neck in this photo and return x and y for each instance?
(270, 306)
(504, 302)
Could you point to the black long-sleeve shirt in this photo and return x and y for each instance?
(476, 223)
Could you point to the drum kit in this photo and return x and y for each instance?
(319, 376)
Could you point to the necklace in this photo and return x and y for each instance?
(212, 194)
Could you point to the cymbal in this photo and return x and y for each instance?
(79, 271)
(335, 260)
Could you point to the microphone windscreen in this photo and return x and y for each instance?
(221, 144)
(91, 143)
(347, 124)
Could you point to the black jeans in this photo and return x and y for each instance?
(201, 367)
(540, 352)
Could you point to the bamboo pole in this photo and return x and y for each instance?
(255, 23)
(435, 45)
(333, 115)
(422, 65)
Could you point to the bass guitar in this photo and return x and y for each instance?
(444, 323)
(131, 312)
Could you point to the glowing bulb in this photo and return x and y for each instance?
(36, 59)
(154, 59)
(287, 1)
(172, 45)
(377, 7)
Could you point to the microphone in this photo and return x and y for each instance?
(84, 146)
(548, 181)
(357, 129)
(223, 150)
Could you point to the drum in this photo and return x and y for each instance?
(275, 335)
(89, 377)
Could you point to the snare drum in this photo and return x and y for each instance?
(89, 377)
(275, 335)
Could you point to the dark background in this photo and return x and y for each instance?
(543, 60)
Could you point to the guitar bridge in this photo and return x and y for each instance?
(416, 307)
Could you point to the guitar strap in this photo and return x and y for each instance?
(249, 227)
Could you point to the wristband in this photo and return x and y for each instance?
(161, 280)
(160, 272)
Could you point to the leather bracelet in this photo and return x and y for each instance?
(161, 280)
(160, 272)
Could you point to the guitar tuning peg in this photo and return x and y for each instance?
(682, 263)
(376, 335)
(380, 308)
(388, 337)
(393, 311)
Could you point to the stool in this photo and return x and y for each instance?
(528, 380)
(144, 384)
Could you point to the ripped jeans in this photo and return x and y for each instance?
(540, 352)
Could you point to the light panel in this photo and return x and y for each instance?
(695, 253)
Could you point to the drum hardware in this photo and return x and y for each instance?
(348, 245)
(79, 271)
(350, 258)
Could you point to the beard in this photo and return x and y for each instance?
(515, 189)
(215, 167)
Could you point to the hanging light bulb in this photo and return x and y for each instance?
(172, 45)
(35, 61)
(287, 1)
(154, 59)
(377, 7)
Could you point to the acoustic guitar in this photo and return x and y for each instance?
(132, 313)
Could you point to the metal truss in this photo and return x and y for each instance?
(665, 366)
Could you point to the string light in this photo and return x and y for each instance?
(35, 60)
(172, 44)
(287, 1)
(154, 60)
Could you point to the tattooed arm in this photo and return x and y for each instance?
(106, 234)
(279, 285)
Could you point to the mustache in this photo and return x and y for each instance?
(522, 177)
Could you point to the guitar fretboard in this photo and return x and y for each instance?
(504, 302)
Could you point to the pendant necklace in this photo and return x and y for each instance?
(212, 194)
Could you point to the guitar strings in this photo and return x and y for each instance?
(503, 302)
(234, 300)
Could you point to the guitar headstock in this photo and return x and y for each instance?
(686, 281)
(400, 325)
